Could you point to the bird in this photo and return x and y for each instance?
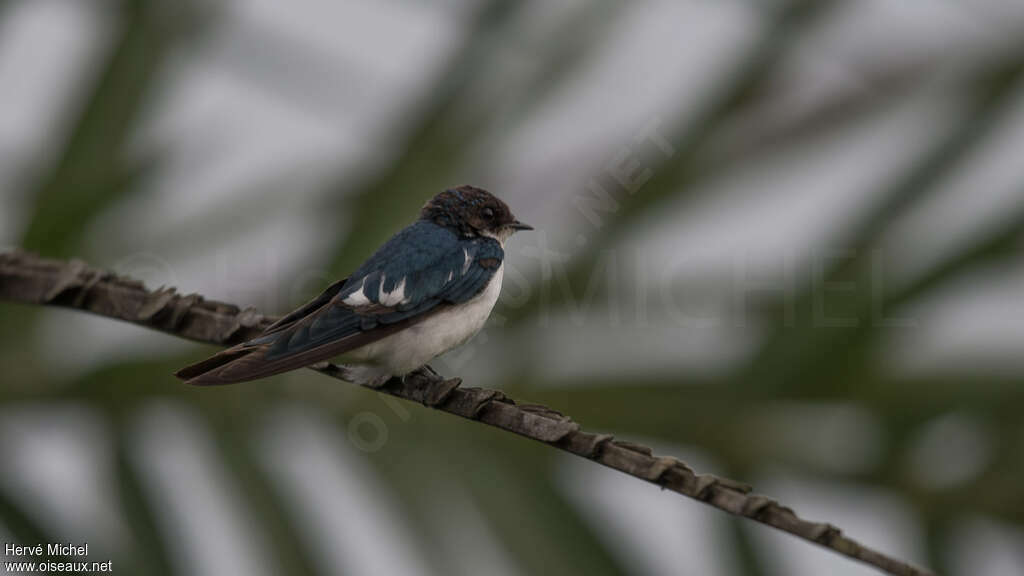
(427, 290)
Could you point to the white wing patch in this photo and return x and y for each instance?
(393, 298)
(358, 298)
(397, 296)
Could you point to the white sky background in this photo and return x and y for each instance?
(232, 140)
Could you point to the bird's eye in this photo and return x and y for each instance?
(488, 213)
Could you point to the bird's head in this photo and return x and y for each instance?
(470, 211)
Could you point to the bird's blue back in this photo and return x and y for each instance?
(437, 267)
(424, 254)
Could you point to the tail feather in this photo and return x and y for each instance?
(249, 361)
(204, 372)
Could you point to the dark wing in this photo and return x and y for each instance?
(222, 358)
(421, 271)
(306, 309)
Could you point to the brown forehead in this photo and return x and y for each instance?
(470, 196)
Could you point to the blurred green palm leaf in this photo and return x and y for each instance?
(510, 482)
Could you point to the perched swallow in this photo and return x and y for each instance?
(427, 290)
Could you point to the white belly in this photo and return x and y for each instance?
(405, 351)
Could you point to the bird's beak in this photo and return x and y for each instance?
(517, 225)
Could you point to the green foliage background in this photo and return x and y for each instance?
(740, 420)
